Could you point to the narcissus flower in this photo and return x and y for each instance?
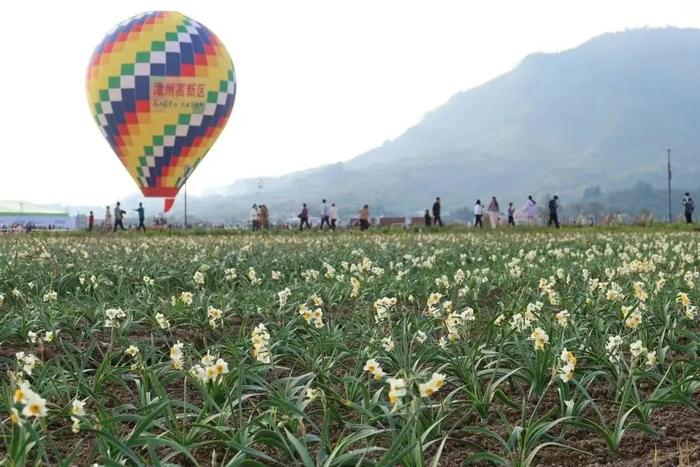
(613, 348)
(566, 373)
(634, 319)
(372, 366)
(198, 278)
(540, 338)
(639, 291)
(318, 301)
(562, 318)
(176, 356)
(113, 316)
(34, 405)
(215, 315)
(15, 417)
(651, 358)
(637, 349)
(355, 287)
(683, 299)
(186, 298)
(397, 390)
(434, 299)
(230, 274)
(261, 343)
(77, 410)
(28, 361)
(213, 371)
(20, 394)
(163, 323)
(312, 394)
(433, 385)
(283, 295)
(388, 344)
(50, 296)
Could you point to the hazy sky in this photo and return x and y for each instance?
(318, 81)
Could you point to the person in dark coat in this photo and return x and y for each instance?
(428, 221)
(688, 208)
(364, 217)
(511, 214)
(553, 214)
(118, 217)
(304, 217)
(437, 220)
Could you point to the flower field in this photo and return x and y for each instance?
(509, 348)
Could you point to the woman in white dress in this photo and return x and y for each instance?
(107, 225)
(530, 210)
(494, 212)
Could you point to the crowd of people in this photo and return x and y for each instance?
(112, 223)
(259, 217)
(529, 214)
(328, 214)
(493, 210)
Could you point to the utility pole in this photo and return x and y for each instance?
(186, 202)
(670, 218)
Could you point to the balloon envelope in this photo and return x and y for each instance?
(161, 87)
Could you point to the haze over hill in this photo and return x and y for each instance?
(601, 114)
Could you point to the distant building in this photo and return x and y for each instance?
(14, 214)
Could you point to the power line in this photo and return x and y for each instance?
(670, 217)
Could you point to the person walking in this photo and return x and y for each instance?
(688, 208)
(553, 208)
(511, 214)
(364, 217)
(91, 221)
(142, 218)
(254, 217)
(494, 212)
(304, 217)
(478, 214)
(437, 220)
(428, 221)
(334, 216)
(264, 217)
(261, 216)
(325, 214)
(118, 216)
(530, 209)
(107, 224)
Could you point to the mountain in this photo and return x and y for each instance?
(601, 114)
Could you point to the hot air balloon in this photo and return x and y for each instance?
(161, 87)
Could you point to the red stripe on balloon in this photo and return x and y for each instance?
(159, 191)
